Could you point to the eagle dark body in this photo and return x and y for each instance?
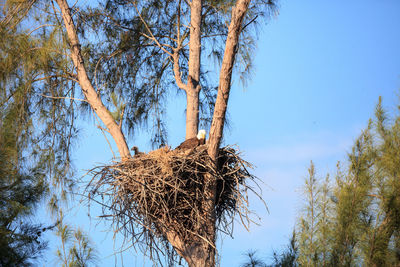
(137, 152)
(191, 143)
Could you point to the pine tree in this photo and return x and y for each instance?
(76, 248)
(289, 256)
(351, 210)
(144, 49)
(37, 129)
(253, 260)
(324, 228)
(355, 220)
(307, 233)
(21, 189)
(384, 246)
(358, 216)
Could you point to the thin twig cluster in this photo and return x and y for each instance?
(164, 189)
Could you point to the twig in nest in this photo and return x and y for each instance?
(164, 189)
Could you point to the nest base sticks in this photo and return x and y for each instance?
(164, 189)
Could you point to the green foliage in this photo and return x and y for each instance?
(357, 219)
(128, 62)
(21, 189)
(288, 257)
(76, 249)
(308, 222)
(253, 260)
(37, 126)
(354, 221)
(132, 75)
(33, 85)
(20, 240)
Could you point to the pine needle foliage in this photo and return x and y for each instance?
(76, 248)
(253, 260)
(37, 122)
(132, 76)
(356, 219)
(130, 46)
(308, 222)
(22, 187)
(288, 257)
(353, 220)
(36, 86)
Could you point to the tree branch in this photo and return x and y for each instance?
(193, 79)
(225, 77)
(86, 85)
(63, 97)
(178, 78)
(150, 31)
(71, 77)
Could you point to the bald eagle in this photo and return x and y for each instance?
(193, 142)
(137, 152)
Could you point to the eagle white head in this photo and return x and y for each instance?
(201, 134)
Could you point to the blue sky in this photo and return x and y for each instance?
(319, 69)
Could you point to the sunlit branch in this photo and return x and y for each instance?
(63, 97)
(151, 37)
(41, 26)
(177, 73)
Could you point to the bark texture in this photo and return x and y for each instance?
(197, 254)
(87, 88)
(225, 76)
(201, 253)
(193, 88)
(192, 113)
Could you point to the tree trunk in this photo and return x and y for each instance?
(192, 113)
(225, 77)
(202, 253)
(87, 88)
(193, 83)
(197, 253)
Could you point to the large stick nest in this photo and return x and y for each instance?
(164, 189)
